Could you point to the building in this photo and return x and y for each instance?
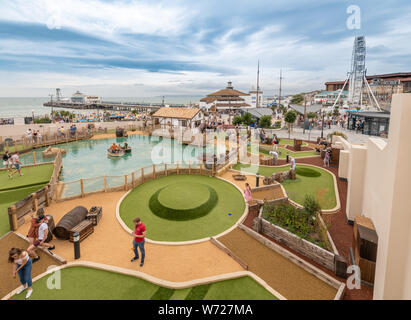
(178, 117)
(81, 98)
(383, 87)
(379, 184)
(375, 123)
(252, 98)
(329, 97)
(257, 113)
(226, 99)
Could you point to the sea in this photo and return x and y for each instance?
(27, 107)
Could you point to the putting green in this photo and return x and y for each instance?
(183, 207)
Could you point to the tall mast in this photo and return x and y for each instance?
(281, 80)
(258, 83)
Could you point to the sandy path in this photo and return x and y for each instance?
(7, 282)
(110, 244)
(281, 274)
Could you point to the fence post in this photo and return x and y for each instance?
(82, 188)
(154, 171)
(105, 183)
(34, 157)
(165, 169)
(35, 202)
(47, 196)
(133, 179)
(125, 182)
(142, 175)
(13, 213)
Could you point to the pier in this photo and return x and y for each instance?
(113, 106)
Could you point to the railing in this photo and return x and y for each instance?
(84, 187)
(41, 198)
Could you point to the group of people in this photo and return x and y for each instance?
(23, 260)
(12, 163)
(116, 148)
(34, 136)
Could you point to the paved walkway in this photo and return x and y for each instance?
(110, 244)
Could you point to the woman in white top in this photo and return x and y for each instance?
(22, 266)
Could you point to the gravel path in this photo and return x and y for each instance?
(281, 274)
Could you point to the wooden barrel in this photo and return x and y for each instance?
(70, 220)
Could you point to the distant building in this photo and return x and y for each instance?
(257, 113)
(383, 87)
(329, 97)
(226, 99)
(178, 117)
(81, 98)
(252, 98)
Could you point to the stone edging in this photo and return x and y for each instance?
(157, 281)
(181, 243)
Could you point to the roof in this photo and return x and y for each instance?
(312, 108)
(227, 93)
(370, 114)
(233, 105)
(178, 113)
(258, 112)
(398, 75)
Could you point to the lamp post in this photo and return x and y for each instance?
(322, 124)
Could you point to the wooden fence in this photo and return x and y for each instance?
(41, 198)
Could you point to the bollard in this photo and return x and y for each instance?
(76, 241)
(257, 180)
(287, 159)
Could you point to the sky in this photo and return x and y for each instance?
(130, 48)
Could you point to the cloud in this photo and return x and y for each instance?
(191, 47)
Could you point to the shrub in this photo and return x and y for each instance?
(265, 122)
(237, 120)
(311, 205)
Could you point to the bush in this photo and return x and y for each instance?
(237, 120)
(247, 119)
(311, 205)
(297, 99)
(265, 122)
(290, 117)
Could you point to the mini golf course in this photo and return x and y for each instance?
(265, 150)
(183, 207)
(310, 181)
(16, 189)
(82, 283)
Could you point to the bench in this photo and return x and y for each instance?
(84, 228)
(94, 215)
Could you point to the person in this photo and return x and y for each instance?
(39, 137)
(275, 156)
(32, 234)
(139, 235)
(22, 265)
(35, 137)
(292, 163)
(247, 193)
(327, 159)
(15, 160)
(114, 148)
(7, 161)
(43, 231)
(29, 134)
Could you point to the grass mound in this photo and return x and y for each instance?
(182, 202)
(307, 172)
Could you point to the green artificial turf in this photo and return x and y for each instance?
(321, 187)
(8, 198)
(226, 212)
(82, 283)
(307, 172)
(31, 176)
(182, 202)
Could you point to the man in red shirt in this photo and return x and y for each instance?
(138, 242)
